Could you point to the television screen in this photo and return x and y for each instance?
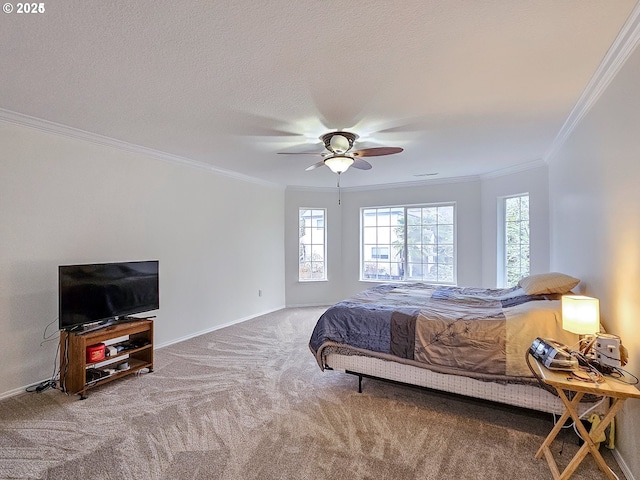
(102, 292)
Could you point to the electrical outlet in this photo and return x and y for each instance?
(259, 293)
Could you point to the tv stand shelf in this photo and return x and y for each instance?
(75, 370)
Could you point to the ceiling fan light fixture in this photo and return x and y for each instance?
(340, 156)
(339, 144)
(338, 163)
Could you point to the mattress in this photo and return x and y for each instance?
(466, 341)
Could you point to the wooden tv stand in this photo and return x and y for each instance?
(74, 377)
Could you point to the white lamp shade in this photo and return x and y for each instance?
(339, 163)
(581, 314)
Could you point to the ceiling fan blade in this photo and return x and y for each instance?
(376, 151)
(361, 164)
(314, 166)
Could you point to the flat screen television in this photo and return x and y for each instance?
(106, 292)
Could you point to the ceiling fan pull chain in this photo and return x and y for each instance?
(339, 191)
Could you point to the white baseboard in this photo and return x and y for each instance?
(304, 305)
(19, 390)
(622, 464)
(217, 327)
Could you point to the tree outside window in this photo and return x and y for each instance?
(420, 240)
(516, 238)
(312, 244)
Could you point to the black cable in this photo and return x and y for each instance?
(548, 388)
(51, 382)
(621, 374)
(607, 370)
(63, 373)
(587, 398)
(46, 339)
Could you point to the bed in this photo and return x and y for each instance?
(463, 340)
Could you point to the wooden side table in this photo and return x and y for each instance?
(562, 381)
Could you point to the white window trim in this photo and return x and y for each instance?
(501, 267)
(324, 228)
(361, 277)
(501, 273)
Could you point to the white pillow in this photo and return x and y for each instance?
(542, 283)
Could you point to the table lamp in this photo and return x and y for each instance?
(581, 315)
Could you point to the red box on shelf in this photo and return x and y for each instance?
(95, 353)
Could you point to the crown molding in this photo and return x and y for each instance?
(385, 186)
(302, 188)
(8, 116)
(46, 126)
(522, 167)
(624, 44)
(418, 183)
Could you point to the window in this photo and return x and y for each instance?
(312, 244)
(380, 252)
(514, 257)
(414, 243)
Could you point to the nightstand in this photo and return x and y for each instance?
(562, 381)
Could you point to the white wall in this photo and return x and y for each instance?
(535, 181)
(476, 202)
(465, 194)
(595, 223)
(218, 239)
(313, 293)
(343, 231)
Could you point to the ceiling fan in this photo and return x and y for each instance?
(340, 155)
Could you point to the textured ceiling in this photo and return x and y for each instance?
(465, 87)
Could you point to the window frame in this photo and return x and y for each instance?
(502, 264)
(324, 244)
(405, 263)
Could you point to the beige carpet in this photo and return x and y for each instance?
(249, 402)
